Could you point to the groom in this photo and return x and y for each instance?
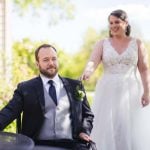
(55, 110)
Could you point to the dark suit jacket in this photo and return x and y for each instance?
(28, 99)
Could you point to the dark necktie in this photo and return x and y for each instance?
(52, 91)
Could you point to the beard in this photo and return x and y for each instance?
(49, 72)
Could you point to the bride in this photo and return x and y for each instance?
(121, 102)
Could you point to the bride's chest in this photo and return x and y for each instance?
(128, 57)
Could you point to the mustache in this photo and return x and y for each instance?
(51, 67)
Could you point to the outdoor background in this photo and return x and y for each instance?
(73, 27)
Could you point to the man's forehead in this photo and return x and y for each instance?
(47, 50)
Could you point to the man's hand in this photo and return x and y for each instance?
(84, 137)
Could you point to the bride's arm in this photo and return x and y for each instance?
(144, 72)
(94, 61)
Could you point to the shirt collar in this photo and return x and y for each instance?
(46, 79)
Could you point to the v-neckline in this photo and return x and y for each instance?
(125, 49)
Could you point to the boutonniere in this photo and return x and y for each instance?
(79, 94)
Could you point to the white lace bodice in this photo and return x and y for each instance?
(124, 63)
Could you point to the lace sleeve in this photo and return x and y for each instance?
(96, 57)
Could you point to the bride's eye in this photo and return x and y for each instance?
(117, 22)
(110, 23)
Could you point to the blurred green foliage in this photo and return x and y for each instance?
(56, 10)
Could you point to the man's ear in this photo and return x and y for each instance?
(37, 64)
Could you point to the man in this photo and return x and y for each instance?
(55, 110)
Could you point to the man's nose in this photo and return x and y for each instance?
(50, 62)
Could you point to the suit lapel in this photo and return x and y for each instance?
(69, 91)
(40, 93)
(68, 88)
(75, 108)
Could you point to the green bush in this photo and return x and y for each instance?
(11, 127)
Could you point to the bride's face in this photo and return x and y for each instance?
(117, 26)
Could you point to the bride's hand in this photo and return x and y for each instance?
(145, 100)
(85, 75)
(88, 71)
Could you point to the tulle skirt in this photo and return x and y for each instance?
(120, 123)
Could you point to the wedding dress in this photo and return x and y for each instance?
(121, 123)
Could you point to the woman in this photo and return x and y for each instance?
(120, 98)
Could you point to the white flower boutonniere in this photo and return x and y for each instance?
(79, 94)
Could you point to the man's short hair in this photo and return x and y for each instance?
(43, 46)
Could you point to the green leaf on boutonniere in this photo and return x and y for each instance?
(79, 93)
